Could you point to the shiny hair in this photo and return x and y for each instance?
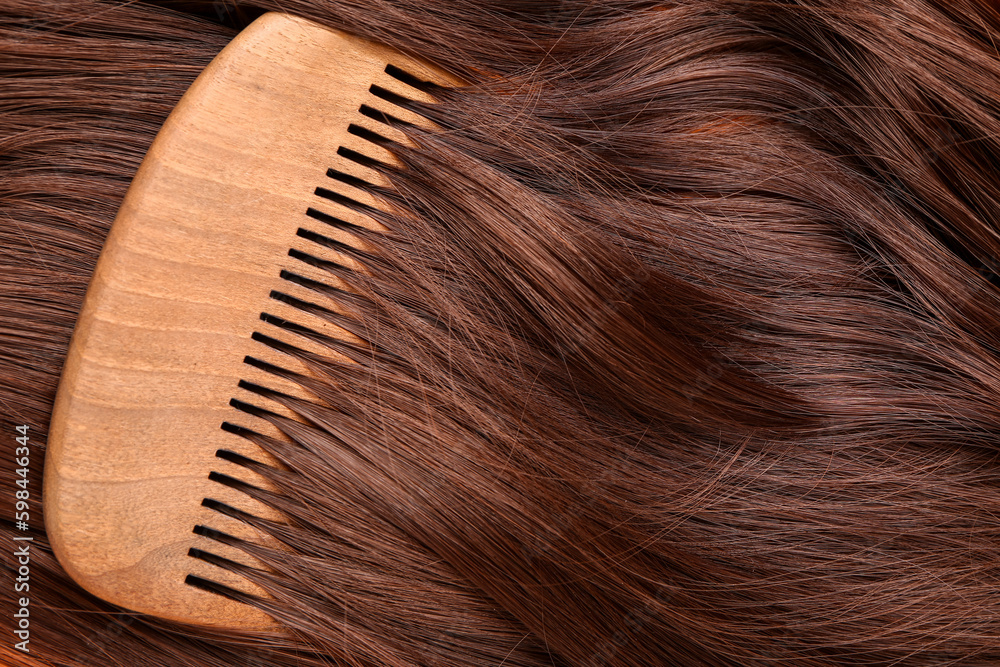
(682, 345)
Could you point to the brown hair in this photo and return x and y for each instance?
(682, 346)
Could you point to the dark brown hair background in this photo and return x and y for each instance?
(682, 348)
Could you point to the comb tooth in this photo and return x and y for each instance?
(351, 235)
(307, 288)
(351, 253)
(233, 592)
(347, 250)
(320, 266)
(256, 425)
(350, 231)
(349, 179)
(366, 134)
(252, 409)
(359, 157)
(307, 307)
(404, 101)
(243, 430)
(214, 520)
(225, 510)
(247, 432)
(256, 376)
(406, 83)
(307, 332)
(341, 319)
(265, 391)
(298, 288)
(241, 459)
(314, 266)
(233, 482)
(217, 560)
(413, 81)
(337, 249)
(236, 429)
(247, 469)
(386, 120)
(386, 124)
(351, 204)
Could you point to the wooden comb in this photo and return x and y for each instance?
(238, 203)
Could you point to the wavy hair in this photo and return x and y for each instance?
(682, 345)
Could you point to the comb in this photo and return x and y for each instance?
(206, 278)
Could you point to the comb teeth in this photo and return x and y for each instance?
(411, 80)
(212, 294)
(383, 117)
(295, 324)
(229, 592)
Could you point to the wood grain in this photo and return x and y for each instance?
(197, 247)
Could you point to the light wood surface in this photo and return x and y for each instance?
(197, 247)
